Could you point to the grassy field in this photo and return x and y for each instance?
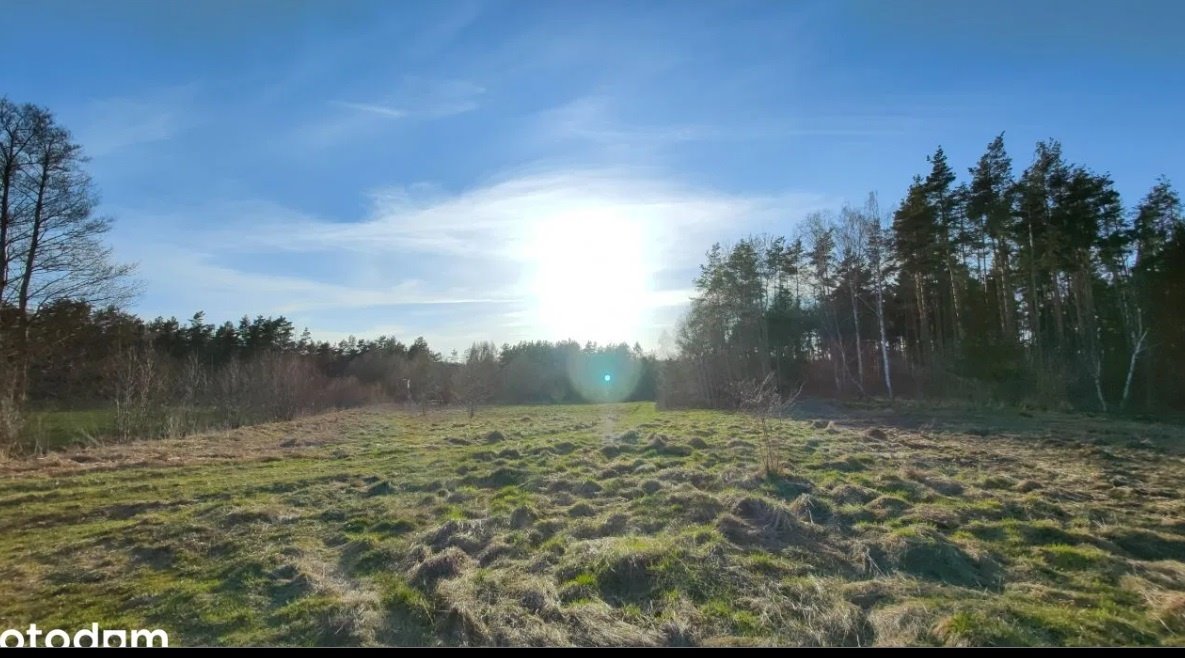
(610, 525)
(56, 429)
(50, 430)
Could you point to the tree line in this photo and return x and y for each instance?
(165, 377)
(1034, 288)
(81, 349)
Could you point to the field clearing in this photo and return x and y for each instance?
(611, 525)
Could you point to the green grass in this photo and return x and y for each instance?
(51, 429)
(607, 525)
(58, 429)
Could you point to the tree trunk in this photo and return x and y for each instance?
(6, 178)
(1098, 384)
(880, 319)
(956, 321)
(1059, 323)
(21, 373)
(923, 321)
(1034, 310)
(1131, 368)
(856, 325)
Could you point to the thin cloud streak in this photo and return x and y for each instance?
(109, 125)
(592, 119)
(380, 110)
(415, 98)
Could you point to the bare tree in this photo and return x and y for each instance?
(138, 388)
(762, 399)
(50, 238)
(476, 380)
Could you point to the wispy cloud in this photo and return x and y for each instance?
(414, 98)
(595, 119)
(422, 99)
(498, 218)
(475, 251)
(110, 125)
(381, 110)
(171, 269)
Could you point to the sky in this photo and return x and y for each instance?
(510, 170)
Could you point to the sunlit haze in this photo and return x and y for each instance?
(590, 276)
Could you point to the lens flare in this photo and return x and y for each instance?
(604, 376)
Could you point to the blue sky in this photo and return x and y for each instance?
(509, 169)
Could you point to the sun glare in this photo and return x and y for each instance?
(590, 276)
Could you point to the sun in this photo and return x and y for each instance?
(590, 276)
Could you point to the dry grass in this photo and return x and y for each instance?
(611, 525)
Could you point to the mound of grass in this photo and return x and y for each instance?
(811, 509)
(449, 563)
(1147, 544)
(930, 555)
